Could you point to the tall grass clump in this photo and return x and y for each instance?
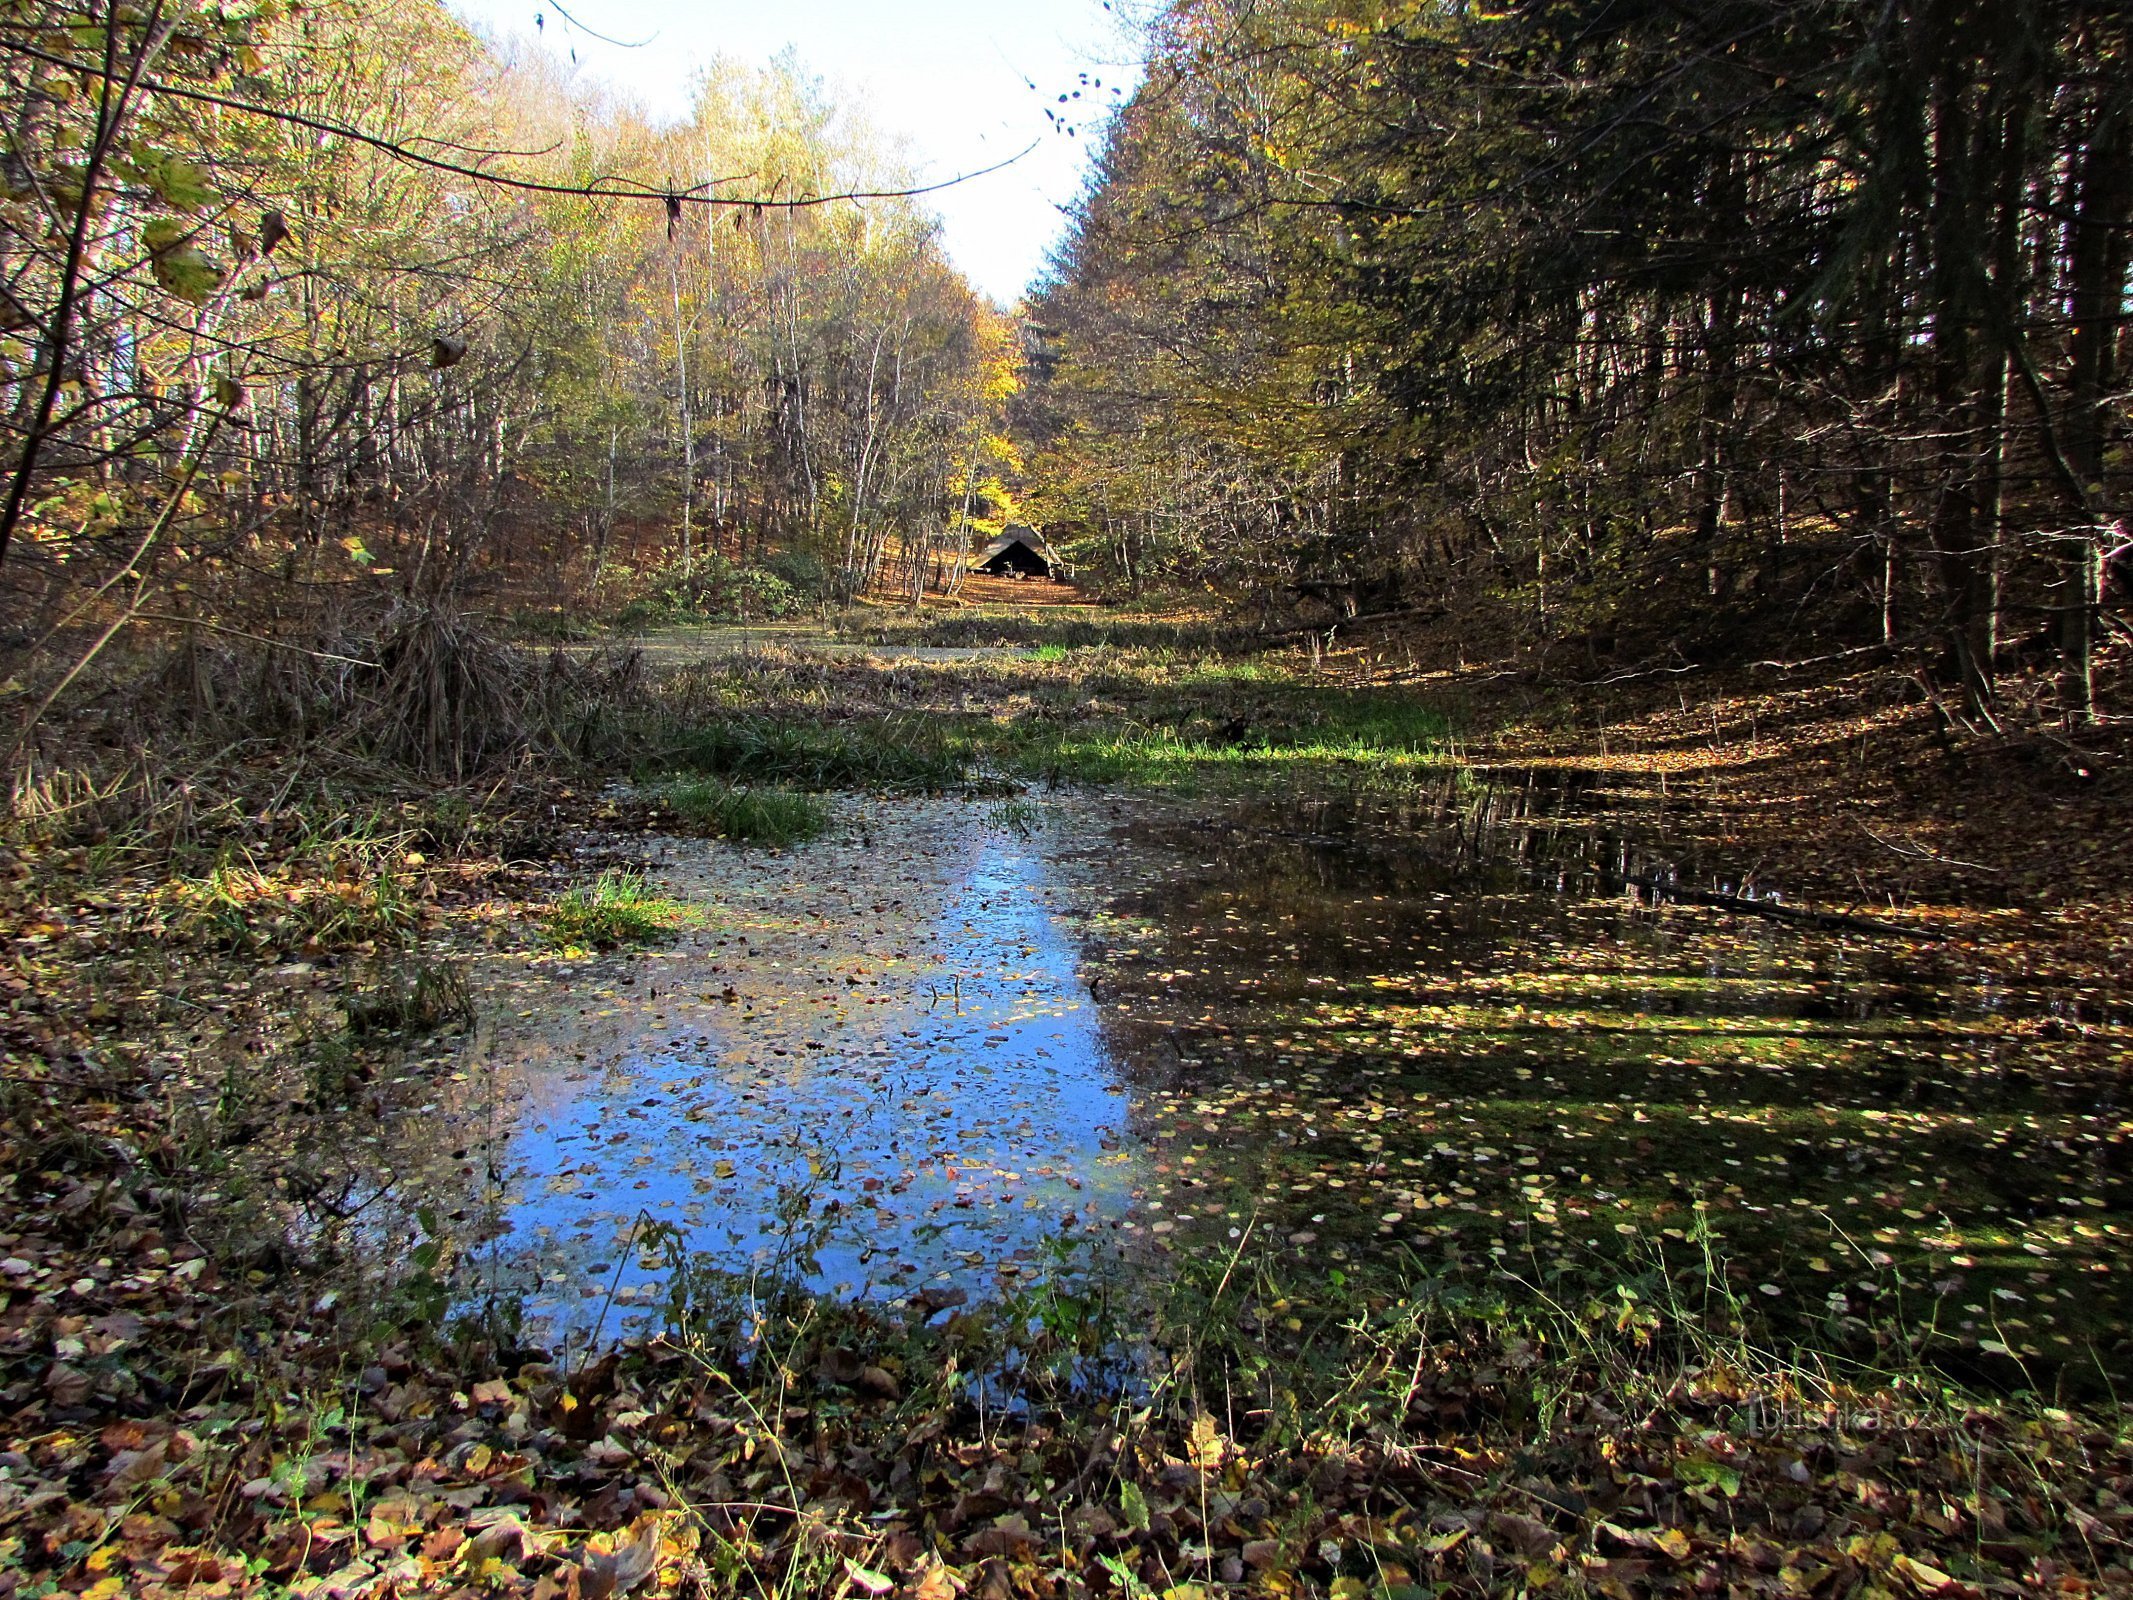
(894, 753)
(746, 814)
(616, 908)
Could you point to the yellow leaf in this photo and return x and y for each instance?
(1206, 1448)
(1928, 1580)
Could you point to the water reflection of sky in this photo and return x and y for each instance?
(1422, 1035)
(884, 1033)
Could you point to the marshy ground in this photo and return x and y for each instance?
(1079, 1103)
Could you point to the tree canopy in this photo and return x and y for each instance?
(1753, 312)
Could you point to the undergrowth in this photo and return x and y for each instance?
(894, 753)
(1243, 1420)
(1237, 1425)
(616, 908)
(745, 815)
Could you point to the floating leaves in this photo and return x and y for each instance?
(881, 1067)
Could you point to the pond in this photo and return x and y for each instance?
(872, 1063)
(1442, 1036)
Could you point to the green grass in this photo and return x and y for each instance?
(1078, 708)
(1176, 740)
(1017, 817)
(900, 753)
(236, 905)
(746, 815)
(616, 908)
(1230, 735)
(1046, 630)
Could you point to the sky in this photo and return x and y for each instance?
(965, 83)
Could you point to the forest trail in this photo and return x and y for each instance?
(678, 645)
(690, 646)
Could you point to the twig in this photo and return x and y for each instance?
(1777, 911)
(256, 638)
(1914, 852)
(134, 566)
(1878, 647)
(602, 188)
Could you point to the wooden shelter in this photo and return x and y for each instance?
(1019, 552)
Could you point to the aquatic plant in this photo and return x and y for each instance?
(746, 814)
(616, 908)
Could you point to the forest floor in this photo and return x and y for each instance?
(221, 1373)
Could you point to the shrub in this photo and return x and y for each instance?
(711, 588)
(802, 572)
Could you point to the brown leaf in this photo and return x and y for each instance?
(839, 1365)
(443, 1544)
(1093, 1522)
(1669, 1542)
(637, 1553)
(1930, 1580)
(500, 1541)
(1003, 1538)
(68, 1386)
(1527, 1535)
(131, 1468)
(929, 1301)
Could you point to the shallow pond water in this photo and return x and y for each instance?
(873, 1064)
(1433, 1036)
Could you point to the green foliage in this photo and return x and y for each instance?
(709, 588)
(803, 572)
(331, 899)
(746, 815)
(1017, 817)
(179, 267)
(1551, 354)
(617, 908)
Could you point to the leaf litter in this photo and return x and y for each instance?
(1334, 1062)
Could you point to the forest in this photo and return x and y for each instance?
(1415, 887)
(300, 298)
(1618, 324)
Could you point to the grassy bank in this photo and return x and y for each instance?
(1170, 718)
